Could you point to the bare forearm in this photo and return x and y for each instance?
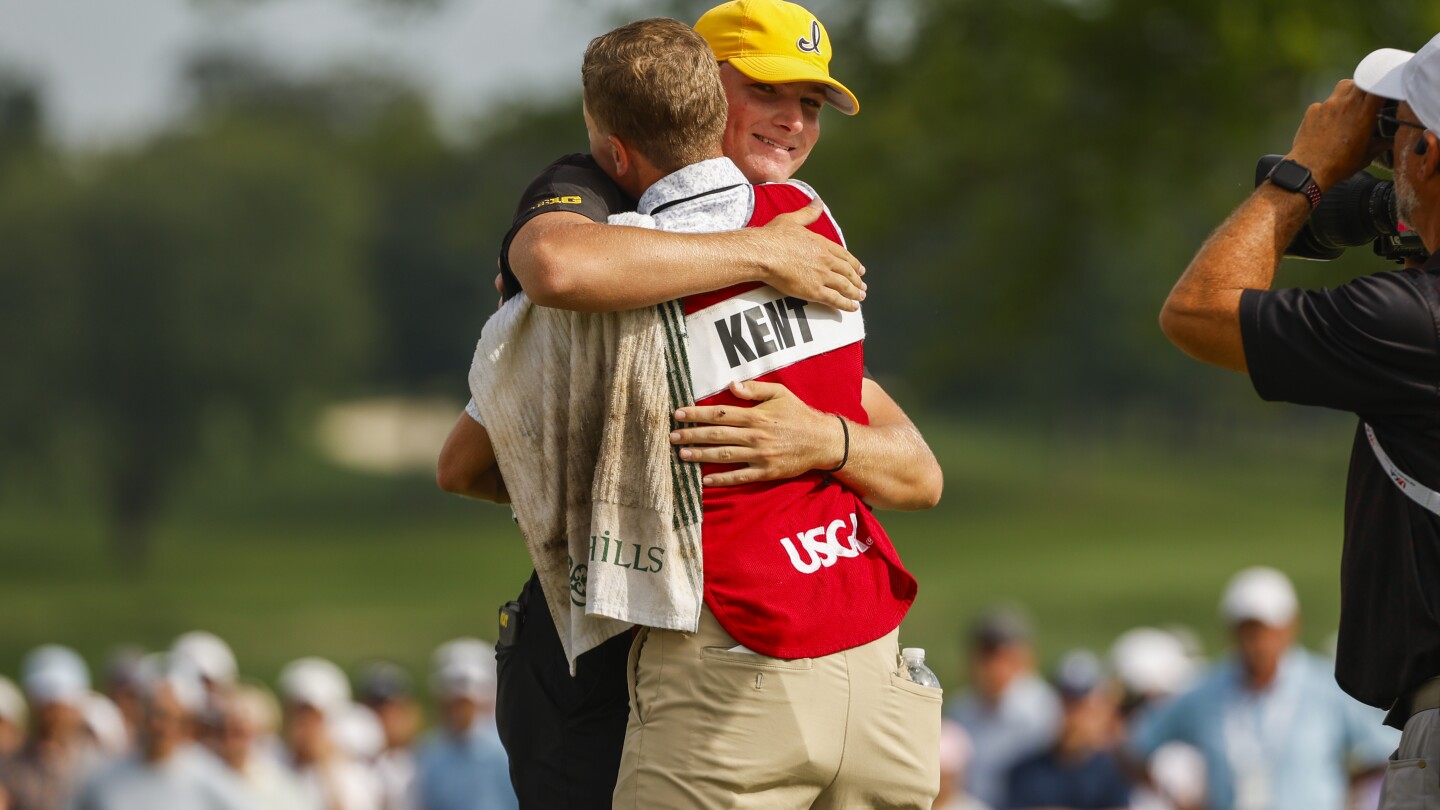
(1202, 314)
(588, 267)
(467, 464)
(566, 261)
(891, 467)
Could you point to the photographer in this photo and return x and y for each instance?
(1369, 347)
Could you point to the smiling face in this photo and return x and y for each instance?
(771, 127)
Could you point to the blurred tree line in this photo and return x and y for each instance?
(1025, 182)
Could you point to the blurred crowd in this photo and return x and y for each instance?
(180, 730)
(1152, 725)
(1155, 726)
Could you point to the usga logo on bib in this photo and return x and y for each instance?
(823, 554)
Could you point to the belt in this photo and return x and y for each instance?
(1422, 698)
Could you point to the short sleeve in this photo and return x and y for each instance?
(472, 409)
(575, 184)
(1160, 724)
(1366, 346)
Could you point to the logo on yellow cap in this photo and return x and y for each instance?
(811, 45)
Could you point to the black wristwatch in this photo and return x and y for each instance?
(1291, 176)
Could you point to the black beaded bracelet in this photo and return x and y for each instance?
(845, 458)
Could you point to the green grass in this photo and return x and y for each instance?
(292, 559)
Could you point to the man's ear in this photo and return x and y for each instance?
(620, 156)
(1428, 150)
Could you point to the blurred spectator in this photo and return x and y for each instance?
(213, 663)
(316, 696)
(208, 656)
(246, 720)
(1275, 730)
(1009, 711)
(104, 726)
(955, 752)
(124, 685)
(387, 690)
(48, 770)
(462, 766)
(169, 770)
(357, 733)
(1080, 771)
(13, 719)
(1153, 666)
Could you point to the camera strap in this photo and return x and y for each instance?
(1414, 490)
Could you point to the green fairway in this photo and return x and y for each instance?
(1093, 537)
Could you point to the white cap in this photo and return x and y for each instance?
(1151, 662)
(180, 678)
(208, 654)
(357, 731)
(102, 717)
(1410, 77)
(464, 679)
(315, 682)
(463, 649)
(464, 667)
(12, 704)
(55, 674)
(1259, 594)
(255, 704)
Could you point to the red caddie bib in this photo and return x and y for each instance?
(798, 568)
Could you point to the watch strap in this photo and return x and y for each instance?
(1309, 187)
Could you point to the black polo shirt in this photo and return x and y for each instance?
(563, 735)
(1370, 347)
(574, 183)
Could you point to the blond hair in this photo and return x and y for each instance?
(655, 84)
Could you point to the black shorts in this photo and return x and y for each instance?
(563, 734)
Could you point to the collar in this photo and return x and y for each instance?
(696, 180)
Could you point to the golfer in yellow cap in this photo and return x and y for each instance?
(775, 65)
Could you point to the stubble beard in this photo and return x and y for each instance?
(1406, 200)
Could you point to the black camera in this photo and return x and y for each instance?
(1357, 210)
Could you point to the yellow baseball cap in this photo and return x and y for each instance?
(774, 41)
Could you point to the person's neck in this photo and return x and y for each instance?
(158, 752)
(1073, 746)
(1425, 211)
(646, 175)
(1261, 678)
(993, 698)
(1429, 230)
(51, 748)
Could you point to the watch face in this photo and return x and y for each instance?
(1290, 175)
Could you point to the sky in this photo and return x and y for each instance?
(110, 69)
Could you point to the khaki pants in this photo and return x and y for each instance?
(1412, 778)
(712, 728)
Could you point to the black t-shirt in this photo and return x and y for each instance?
(1371, 347)
(574, 183)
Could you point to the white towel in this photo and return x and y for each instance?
(579, 407)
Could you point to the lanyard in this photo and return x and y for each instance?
(1257, 728)
(1428, 498)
